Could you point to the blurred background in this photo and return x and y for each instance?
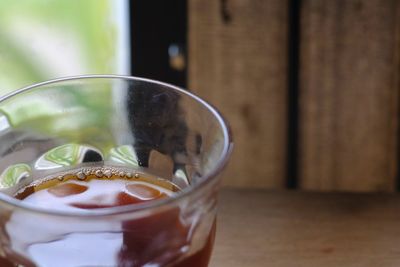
(41, 40)
(310, 87)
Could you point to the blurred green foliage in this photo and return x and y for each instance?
(44, 39)
(47, 39)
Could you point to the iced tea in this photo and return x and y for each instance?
(160, 239)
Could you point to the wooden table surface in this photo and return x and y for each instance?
(286, 229)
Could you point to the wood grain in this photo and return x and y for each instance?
(349, 90)
(238, 61)
(284, 229)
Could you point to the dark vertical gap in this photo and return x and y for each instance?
(293, 93)
(397, 86)
(156, 27)
(397, 175)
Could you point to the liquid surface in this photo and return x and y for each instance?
(95, 188)
(159, 239)
(91, 193)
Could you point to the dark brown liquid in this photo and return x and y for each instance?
(158, 238)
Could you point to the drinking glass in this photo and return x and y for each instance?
(107, 121)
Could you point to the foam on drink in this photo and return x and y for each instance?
(95, 188)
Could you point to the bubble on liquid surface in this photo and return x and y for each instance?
(107, 173)
(81, 176)
(98, 173)
(103, 172)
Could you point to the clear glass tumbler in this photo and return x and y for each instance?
(107, 122)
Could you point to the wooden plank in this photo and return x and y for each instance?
(349, 90)
(285, 229)
(238, 61)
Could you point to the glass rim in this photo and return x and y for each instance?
(142, 207)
